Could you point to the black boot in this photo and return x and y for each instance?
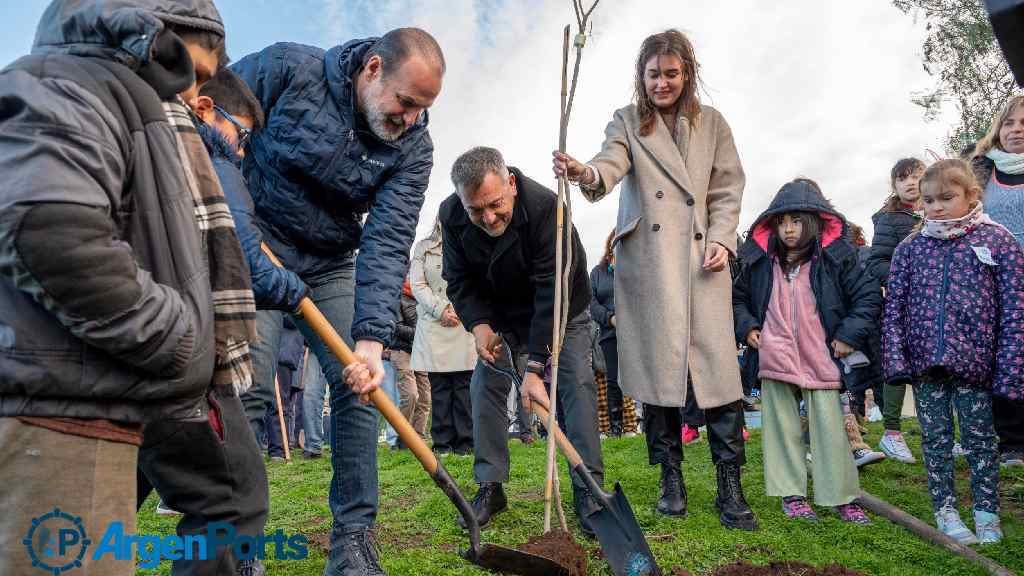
(489, 500)
(356, 555)
(584, 505)
(673, 491)
(735, 512)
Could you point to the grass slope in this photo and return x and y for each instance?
(418, 535)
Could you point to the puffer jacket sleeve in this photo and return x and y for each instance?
(883, 244)
(598, 311)
(895, 329)
(387, 238)
(273, 287)
(863, 300)
(64, 176)
(744, 317)
(1010, 347)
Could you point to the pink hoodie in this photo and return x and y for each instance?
(793, 345)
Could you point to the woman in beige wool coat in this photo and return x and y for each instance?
(679, 207)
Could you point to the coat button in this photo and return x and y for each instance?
(656, 227)
(660, 194)
(699, 236)
(689, 201)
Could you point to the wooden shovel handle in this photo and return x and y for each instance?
(570, 453)
(330, 337)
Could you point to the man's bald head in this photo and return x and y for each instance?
(398, 45)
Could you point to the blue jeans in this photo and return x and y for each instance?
(390, 387)
(353, 496)
(315, 388)
(259, 399)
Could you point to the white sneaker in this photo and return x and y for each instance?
(864, 456)
(948, 521)
(875, 415)
(986, 524)
(895, 447)
(958, 450)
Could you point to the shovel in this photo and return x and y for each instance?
(612, 520)
(621, 538)
(316, 320)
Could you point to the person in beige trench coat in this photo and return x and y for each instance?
(679, 205)
(443, 349)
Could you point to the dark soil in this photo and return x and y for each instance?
(560, 547)
(785, 568)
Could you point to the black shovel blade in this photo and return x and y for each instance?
(511, 561)
(621, 538)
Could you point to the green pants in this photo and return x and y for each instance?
(785, 464)
(893, 407)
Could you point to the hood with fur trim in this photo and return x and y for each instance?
(794, 197)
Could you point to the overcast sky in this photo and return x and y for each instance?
(817, 88)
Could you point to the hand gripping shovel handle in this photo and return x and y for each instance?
(316, 320)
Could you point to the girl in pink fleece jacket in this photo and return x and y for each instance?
(804, 307)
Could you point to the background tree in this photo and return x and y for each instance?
(961, 51)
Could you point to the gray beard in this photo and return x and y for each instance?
(379, 125)
(377, 121)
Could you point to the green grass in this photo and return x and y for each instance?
(418, 535)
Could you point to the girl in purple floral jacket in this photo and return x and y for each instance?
(954, 329)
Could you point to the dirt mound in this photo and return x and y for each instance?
(560, 547)
(784, 568)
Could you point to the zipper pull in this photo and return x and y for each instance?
(351, 135)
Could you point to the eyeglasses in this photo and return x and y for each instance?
(243, 132)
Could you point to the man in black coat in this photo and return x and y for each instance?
(499, 233)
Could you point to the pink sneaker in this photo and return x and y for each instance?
(690, 435)
(746, 434)
(796, 507)
(853, 513)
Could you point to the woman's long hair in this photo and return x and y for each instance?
(676, 43)
(606, 259)
(991, 138)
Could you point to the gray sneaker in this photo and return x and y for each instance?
(948, 521)
(895, 447)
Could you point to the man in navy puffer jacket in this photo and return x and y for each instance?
(345, 135)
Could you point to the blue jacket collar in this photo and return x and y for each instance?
(218, 146)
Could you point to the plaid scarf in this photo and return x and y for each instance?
(234, 308)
